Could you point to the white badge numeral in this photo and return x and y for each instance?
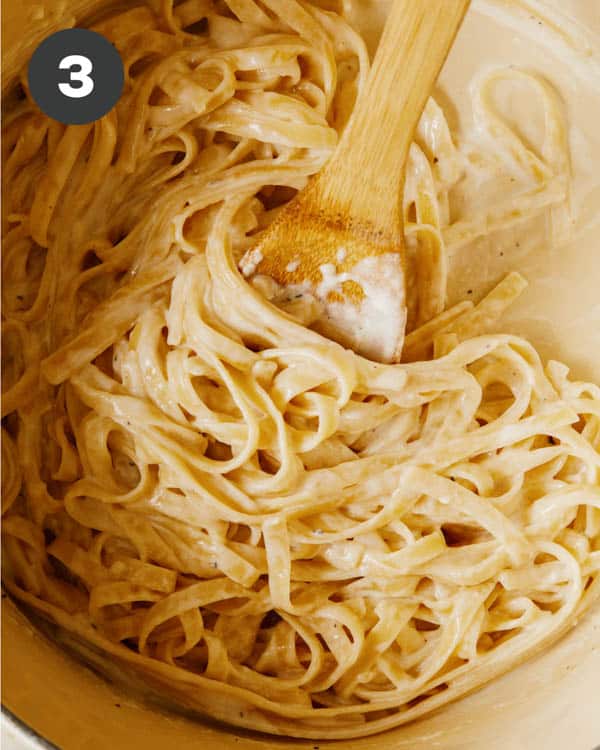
(82, 76)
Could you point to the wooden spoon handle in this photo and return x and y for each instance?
(365, 175)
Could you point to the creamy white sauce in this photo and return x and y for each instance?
(250, 262)
(376, 326)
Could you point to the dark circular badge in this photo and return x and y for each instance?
(76, 76)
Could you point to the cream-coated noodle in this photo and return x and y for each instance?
(270, 528)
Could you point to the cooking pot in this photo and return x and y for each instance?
(551, 701)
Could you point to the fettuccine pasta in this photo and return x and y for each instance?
(262, 524)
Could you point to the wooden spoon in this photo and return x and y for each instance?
(341, 238)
